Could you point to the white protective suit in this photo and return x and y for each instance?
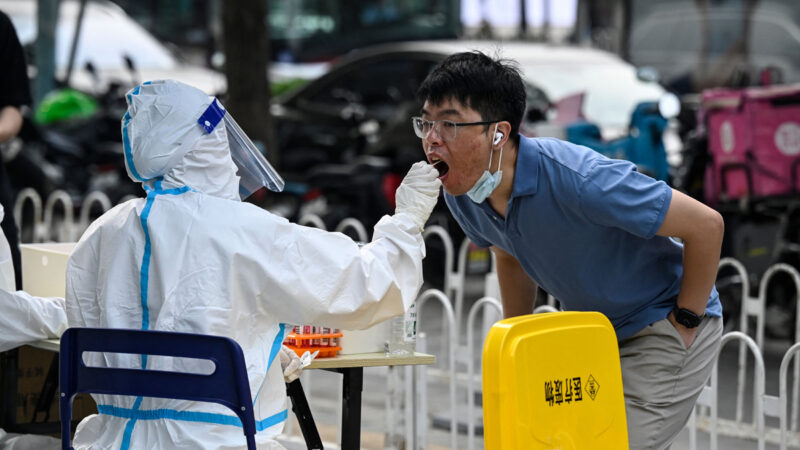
(192, 257)
(25, 318)
(7, 280)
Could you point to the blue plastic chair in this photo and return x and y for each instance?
(227, 385)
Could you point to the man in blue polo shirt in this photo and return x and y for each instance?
(590, 230)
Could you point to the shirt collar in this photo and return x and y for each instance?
(526, 170)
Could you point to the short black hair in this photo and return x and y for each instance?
(492, 87)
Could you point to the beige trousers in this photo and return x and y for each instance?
(662, 379)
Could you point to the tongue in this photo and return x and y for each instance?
(442, 167)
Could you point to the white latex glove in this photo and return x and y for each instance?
(418, 193)
(292, 365)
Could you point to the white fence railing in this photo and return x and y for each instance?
(764, 405)
(56, 221)
(485, 302)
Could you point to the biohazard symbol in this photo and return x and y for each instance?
(592, 386)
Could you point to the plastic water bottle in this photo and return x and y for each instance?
(403, 337)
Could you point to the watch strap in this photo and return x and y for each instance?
(687, 317)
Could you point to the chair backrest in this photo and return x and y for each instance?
(227, 385)
(553, 380)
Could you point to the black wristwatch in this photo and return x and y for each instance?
(686, 317)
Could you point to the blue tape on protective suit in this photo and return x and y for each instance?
(273, 352)
(144, 275)
(189, 416)
(211, 116)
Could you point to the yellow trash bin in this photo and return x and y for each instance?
(553, 381)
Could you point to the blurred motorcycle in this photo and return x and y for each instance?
(742, 159)
(73, 143)
(644, 143)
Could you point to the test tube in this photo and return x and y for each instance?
(316, 341)
(326, 340)
(295, 330)
(288, 340)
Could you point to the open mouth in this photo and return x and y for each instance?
(441, 166)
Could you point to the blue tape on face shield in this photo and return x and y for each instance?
(253, 169)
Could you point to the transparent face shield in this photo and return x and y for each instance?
(254, 170)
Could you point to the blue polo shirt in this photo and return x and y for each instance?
(583, 226)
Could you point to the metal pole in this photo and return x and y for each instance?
(75, 38)
(523, 19)
(546, 20)
(46, 17)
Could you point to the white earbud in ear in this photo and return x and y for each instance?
(497, 138)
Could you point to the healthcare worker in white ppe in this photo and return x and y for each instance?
(23, 317)
(192, 257)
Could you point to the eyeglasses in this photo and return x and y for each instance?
(446, 129)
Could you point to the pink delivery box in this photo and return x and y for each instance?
(753, 140)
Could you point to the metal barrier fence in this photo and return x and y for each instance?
(29, 195)
(356, 226)
(451, 319)
(312, 220)
(755, 307)
(56, 221)
(46, 224)
(764, 405)
(484, 302)
(454, 283)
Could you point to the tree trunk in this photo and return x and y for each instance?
(246, 46)
(609, 24)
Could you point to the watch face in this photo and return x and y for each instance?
(686, 318)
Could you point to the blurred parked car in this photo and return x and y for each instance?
(345, 139)
(108, 36)
(364, 103)
(358, 115)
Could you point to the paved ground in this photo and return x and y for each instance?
(323, 390)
